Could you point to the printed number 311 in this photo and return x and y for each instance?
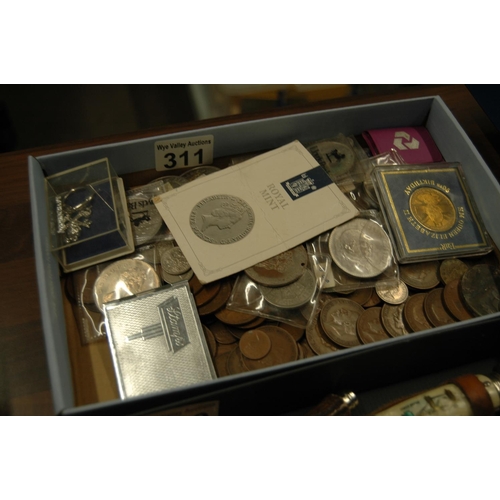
(182, 159)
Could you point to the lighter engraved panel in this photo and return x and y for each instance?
(433, 209)
(222, 219)
(152, 352)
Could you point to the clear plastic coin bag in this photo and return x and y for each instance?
(294, 302)
(80, 291)
(339, 156)
(361, 252)
(359, 188)
(147, 223)
(88, 317)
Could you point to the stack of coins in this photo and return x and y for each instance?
(284, 281)
(174, 266)
(427, 295)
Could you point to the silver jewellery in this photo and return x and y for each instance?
(72, 218)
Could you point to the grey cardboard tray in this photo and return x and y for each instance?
(300, 383)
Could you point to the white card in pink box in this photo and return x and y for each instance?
(233, 219)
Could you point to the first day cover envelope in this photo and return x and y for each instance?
(233, 219)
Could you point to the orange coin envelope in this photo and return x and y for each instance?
(242, 215)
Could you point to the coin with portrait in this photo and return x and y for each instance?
(432, 209)
(222, 219)
(361, 248)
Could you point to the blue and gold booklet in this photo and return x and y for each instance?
(430, 212)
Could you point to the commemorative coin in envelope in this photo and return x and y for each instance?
(157, 342)
(244, 214)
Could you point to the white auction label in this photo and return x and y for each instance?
(184, 153)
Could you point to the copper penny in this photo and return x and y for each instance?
(235, 362)
(316, 338)
(223, 348)
(221, 334)
(307, 352)
(211, 342)
(220, 361)
(220, 364)
(338, 319)
(195, 285)
(294, 331)
(421, 276)
(435, 309)
(239, 331)
(452, 269)
(393, 294)
(207, 293)
(392, 319)
(235, 318)
(414, 315)
(258, 320)
(480, 289)
(373, 301)
(255, 344)
(361, 296)
(218, 301)
(283, 349)
(369, 326)
(301, 351)
(453, 301)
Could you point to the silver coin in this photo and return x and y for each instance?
(196, 172)
(175, 278)
(222, 219)
(124, 278)
(162, 246)
(361, 248)
(280, 270)
(392, 294)
(144, 216)
(173, 261)
(291, 296)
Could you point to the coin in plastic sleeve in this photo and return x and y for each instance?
(173, 261)
(280, 270)
(291, 296)
(124, 278)
(361, 248)
(144, 216)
